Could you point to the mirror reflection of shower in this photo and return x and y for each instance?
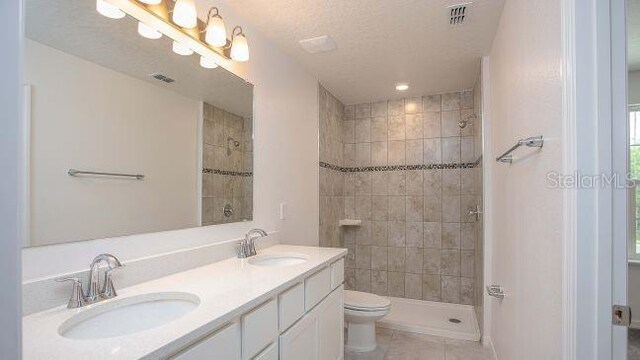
(463, 123)
(231, 145)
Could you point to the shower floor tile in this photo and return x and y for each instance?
(433, 318)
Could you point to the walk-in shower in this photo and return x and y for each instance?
(401, 189)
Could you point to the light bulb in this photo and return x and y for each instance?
(151, 2)
(181, 49)
(216, 33)
(207, 62)
(184, 14)
(108, 10)
(148, 32)
(402, 87)
(240, 48)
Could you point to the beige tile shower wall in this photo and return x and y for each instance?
(416, 240)
(221, 154)
(330, 122)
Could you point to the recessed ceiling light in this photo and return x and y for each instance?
(402, 87)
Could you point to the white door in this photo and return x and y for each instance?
(621, 137)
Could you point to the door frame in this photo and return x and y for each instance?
(11, 184)
(595, 138)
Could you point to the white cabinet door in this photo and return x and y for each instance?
(301, 340)
(330, 316)
(223, 344)
(259, 329)
(270, 353)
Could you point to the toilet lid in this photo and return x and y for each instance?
(362, 300)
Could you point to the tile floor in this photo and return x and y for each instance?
(401, 345)
(634, 344)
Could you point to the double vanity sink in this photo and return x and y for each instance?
(122, 317)
(160, 318)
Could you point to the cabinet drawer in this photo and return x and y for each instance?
(270, 353)
(222, 344)
(291, 306)
(259, 328)
(316, 287)
(301, 340)
(337, 273)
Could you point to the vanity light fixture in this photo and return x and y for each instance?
(216, 33)
(239, 46)
(181, 49)
(402, 87)
(108, 10)
(185, 14)
(208, 63)
(148, 32)
(178, 20)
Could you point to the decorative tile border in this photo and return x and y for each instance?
(399, 167)
(227, 172)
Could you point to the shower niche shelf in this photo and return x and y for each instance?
(350, 222)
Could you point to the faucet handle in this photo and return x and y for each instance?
(242, 249)
(108, 290)
(77, 298)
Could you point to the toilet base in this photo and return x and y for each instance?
(361, 337)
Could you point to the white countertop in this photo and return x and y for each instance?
(226, 290)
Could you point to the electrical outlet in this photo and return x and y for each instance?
(283, 211)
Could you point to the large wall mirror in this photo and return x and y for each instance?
(126, 136)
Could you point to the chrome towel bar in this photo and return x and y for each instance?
(534, 141)
(74, 172)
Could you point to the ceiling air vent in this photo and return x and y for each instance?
(458, 13)
(161, 77)
(318, 44)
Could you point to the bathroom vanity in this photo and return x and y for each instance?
(284, 303)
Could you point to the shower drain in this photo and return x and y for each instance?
(455, 321)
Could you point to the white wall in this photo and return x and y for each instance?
(634, 87)
(11, 184)
(285, 168)
(88, 117)
(526, 100)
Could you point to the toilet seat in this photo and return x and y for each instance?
(361, 301)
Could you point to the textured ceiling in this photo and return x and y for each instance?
(75, 27)
(380, 42)
(633, 34)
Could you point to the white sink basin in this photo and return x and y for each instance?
(129, 315)
(280, 259)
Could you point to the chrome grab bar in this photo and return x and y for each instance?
(74, 172)
(534, 141)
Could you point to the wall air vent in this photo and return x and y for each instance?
(459, 13)
(161, 77)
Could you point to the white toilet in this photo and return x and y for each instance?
(361, 310)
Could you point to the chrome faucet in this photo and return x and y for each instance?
(107, 291)
(94, 293)
(247, 245)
